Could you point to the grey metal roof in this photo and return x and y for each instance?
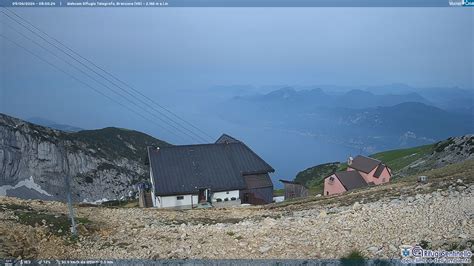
(364, 164)
(379, 170)
(226, 139)
(351, 179)
(220, 167)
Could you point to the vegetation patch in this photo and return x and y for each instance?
(205, 221)
(116, 143)
(440, 146)
(120, 203)
(88, 179)
(355, 257)
(12, 206)
(313, 177)
(57, 224)
(106, 167)
(278, 192)
(398, 159)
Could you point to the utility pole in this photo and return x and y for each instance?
(68, 194)
(69, 205)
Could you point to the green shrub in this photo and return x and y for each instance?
(355, 257)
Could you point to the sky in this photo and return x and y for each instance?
(165, 51)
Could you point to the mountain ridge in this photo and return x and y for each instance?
(101, 164)
(51, 124)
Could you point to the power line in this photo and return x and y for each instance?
(192, 137)
(113, 83)
(82, 82)
(101, 83)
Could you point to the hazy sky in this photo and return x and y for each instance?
(159, 50)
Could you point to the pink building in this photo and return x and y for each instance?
(343, 181)
(372, 170)
(361, 172)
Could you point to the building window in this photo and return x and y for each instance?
(227, 192)
(180, 197)
(327, 192)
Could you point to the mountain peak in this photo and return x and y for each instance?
(285, 93)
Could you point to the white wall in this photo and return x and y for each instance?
(153, 199)
(172, 201)
(225, 194)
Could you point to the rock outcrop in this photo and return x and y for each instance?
(450, 151)
(101, 164)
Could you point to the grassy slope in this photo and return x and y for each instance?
(313, 177)
(398, 159)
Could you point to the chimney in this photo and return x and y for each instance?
(349, 161)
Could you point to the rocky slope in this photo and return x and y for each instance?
(101, 163)
(452, 150)
(374, 222)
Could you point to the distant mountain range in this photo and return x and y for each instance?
(354, 99)
(447, 98)
(51, 124)
(356, 118)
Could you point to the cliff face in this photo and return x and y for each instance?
(101, 163)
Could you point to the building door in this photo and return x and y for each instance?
(204, 195)
(246, 198)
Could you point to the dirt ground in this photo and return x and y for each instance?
(373, 222)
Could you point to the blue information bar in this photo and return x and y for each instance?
(237, 3)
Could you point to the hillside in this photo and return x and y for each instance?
(102, 164)
(403, 162)
(309, 228)
(399, 159)
(313, 177)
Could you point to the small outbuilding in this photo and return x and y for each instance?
(294, 189)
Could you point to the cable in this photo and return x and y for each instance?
(82, 82)
(99, 82)
(199, 138)
(122, 89)
(194, 135)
